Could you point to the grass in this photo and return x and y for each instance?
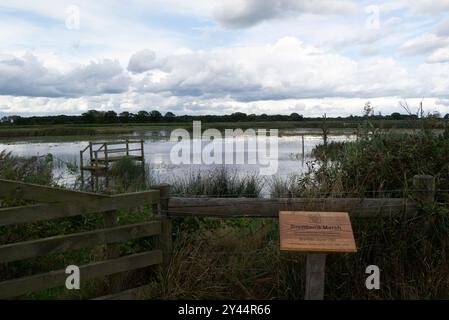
(220, 182)
(33, 170)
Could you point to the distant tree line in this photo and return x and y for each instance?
(154, 116)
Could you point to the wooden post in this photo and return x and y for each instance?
(91, 152)
(96, 170)
(166, 224)
(112, 251)
(127, 147)
(106, 164)
(81, 169)
(143, 157)
(302, 146)
(315, 270)
(424, 189)
(91, 156)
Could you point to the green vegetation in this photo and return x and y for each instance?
(220, 182)
(95, 123)
(383, 161)
(127, 175)
(11, 131)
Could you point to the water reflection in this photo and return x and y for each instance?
(157, 153)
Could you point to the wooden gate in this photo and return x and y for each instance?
(60, 203)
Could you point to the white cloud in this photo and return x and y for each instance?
(283, 70)
(424, 7)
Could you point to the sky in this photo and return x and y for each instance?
(218, 57)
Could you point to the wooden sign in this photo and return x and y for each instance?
(316, 231)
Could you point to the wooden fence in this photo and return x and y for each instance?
(423, 191)
(60, 203)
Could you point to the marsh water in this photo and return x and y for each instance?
(157, 147)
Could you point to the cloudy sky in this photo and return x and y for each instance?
(214, 57)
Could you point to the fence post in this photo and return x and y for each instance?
(166, 224)
(302, 137)
(106, 163)
(142, 154)
(315, 271)
(424, 188)
(81, 169)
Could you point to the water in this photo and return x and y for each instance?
(157, 146)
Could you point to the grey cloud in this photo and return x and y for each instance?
(424, 44)
(249, 13)
(96, 78)
(142, 61)
(27, 76)
(443, 28)
(246, 13)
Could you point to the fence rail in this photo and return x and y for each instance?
(60, 203)
(251, 207)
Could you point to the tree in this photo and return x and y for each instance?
(169, 116)
(125, 117)
(434, 115)
(142, 116)
(368, 110)
(296, 117)
(155, 116)
(238, 116)
(110, 116)
(10, 119)
(91, 116)
(396, 116)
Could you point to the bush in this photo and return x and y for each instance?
(36, 170)
(384, 161)
(127, 175)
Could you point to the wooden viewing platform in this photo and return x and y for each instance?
(102, 154)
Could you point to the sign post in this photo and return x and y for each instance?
(316, 233)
